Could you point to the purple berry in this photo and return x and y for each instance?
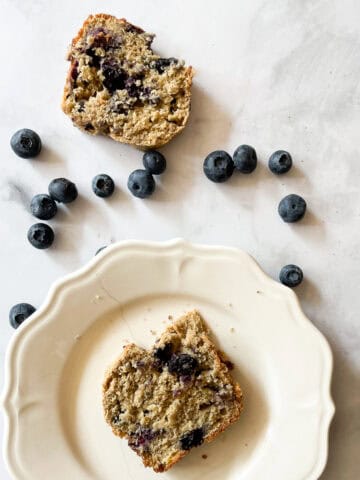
(182, 364)
(19, 313)
(40, 235)
(114, 76)
(26, 143)
(43, 206)
(164, 353)
(191, 439)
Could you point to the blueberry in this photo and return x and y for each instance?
(292, 208)
(100, 249)
(62, 190)
(114, 76)
(182, 364)
(162, 63)
(133, 28)
(26, 143)
(43, 206)
(94, 59)
(142, 437)
(291, 275)
(103, 185)
(164, 353)
(74, 71)
(141, 183)
(19, 313)
(154, 162)
(191, 439)
(280, 162)
(40, 235)
(245, 159)
(218, 166)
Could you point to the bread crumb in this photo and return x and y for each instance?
(204, 456)
(77, 337)
(152, 332)
(97, 299)
(170, 317)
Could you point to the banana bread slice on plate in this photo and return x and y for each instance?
(117, 86)
(174, 397)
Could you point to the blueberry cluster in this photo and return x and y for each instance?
(181, 364)
(219, 167)
(44, 207)
(60, 190)
(141, 182)
(27, 144)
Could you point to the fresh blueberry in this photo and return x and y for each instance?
(218, 166)
(26, 143)
(280, 162)
(103, 185)
(62, 190)
(100, 249)
(292, 208)
(291, 275)
(141, 183)
(40, 235)
(191, 439)
(20, 312)
(245, 159)
(154, 162)
(182, 364)
(43, 206)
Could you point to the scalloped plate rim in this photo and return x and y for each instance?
(64, 282)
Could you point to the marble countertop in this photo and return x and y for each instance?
(276, 75)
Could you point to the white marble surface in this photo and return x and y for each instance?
(280, 74)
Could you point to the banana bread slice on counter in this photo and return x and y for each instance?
(117, 86)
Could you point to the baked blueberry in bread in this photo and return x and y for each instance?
(172, 398)
(117, 85)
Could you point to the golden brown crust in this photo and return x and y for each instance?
(91, 18)
(147, 128)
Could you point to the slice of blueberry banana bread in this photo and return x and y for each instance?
(117, 86)
(174, 397)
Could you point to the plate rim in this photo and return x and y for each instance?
(65, 282)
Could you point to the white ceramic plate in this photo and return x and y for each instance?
(56, 362)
